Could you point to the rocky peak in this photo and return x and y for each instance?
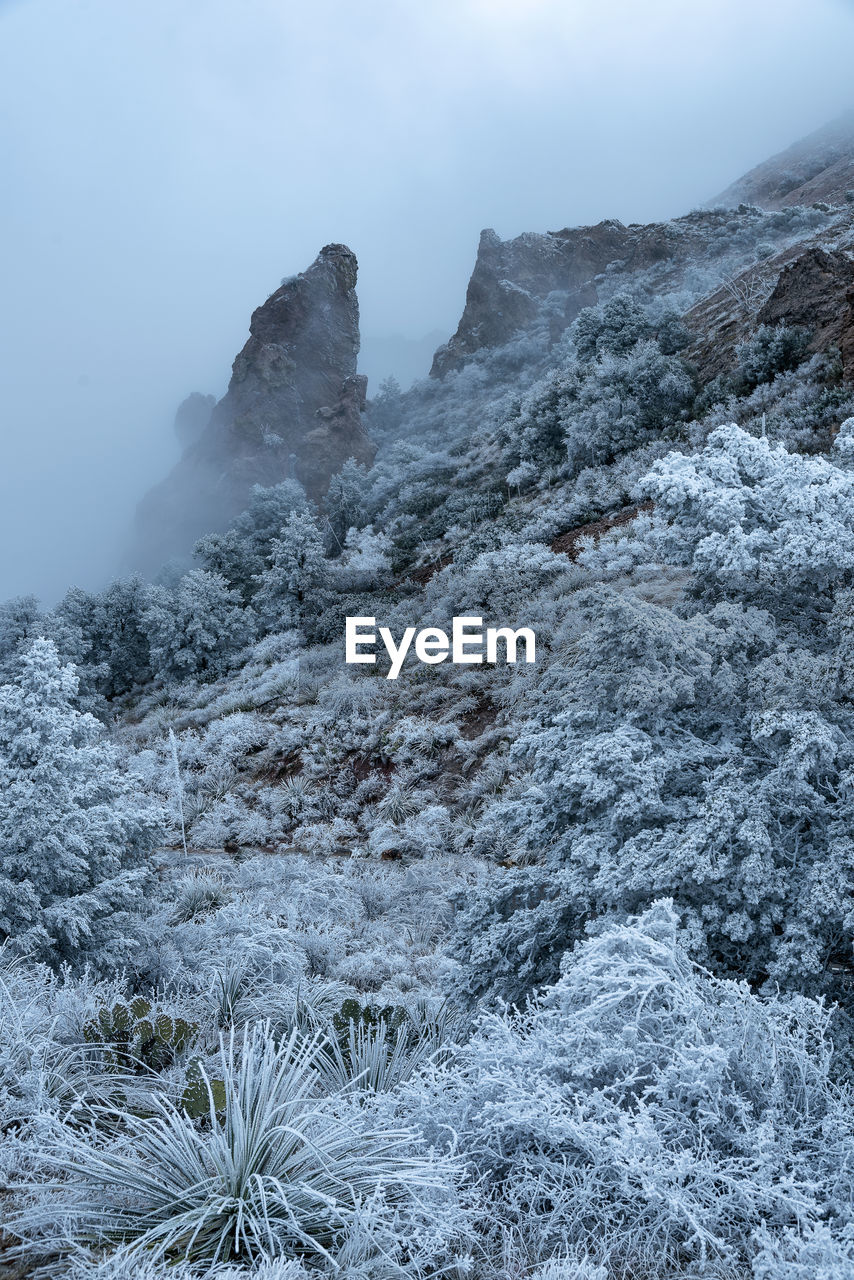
(810, 285)
(292, 408)
(512, 278)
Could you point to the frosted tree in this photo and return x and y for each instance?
(577, 415)
(114, 643)
(613, 328)
(197, 629)
(298, 570)
(345, 502)
(755, 522)
(243, 552)
(649, 1113)
(73, 839)
(703, 752)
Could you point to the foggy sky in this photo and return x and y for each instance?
(166, 163)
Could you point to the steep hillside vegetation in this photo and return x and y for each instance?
(493, 969)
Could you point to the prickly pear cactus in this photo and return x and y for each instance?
(131, 1036)
(202, 1096)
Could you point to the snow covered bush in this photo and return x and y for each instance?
(243, 552)
(196, 630)
(613, 328)
(114, 639)
(577, 416)
(648, 1114)
(288, 588)
(753, 521)
(681, 757)
(772, 349)
(73, 835)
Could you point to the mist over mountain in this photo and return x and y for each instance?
(160, 186)
(430, 854)
(535, 919)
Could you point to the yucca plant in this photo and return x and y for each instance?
(198, 894)
(377, 1049)
(276, 1171)
(372, 1056)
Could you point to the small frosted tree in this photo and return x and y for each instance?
(197, 629)
(345, 502)
(613, 328)
(297, 572)
(72, 838)
(114, 648)
(241, 554)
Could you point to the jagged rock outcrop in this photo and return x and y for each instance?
(806, 285)
(292, 408)
(513, 278)
(819, 167)
(816, 291)
(192, 416)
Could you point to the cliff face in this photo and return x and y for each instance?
(292, 409)
(810, 285)
(800, 277)
(512, 277)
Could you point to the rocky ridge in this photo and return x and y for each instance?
(292, 409)
(564, 271)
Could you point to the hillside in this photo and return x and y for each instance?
(819, 167)
(494, 969)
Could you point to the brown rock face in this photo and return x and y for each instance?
(817, 291)
(512, 278)
(292, 409)
(808, 286)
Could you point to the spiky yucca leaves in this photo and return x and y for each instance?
(277, 1172)
(377, 1049)
(374, 1056)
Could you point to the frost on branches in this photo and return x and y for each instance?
(73, 837)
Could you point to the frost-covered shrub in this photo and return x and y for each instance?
(197, 629)
(502, 585)
(649, 1114)
(586, 416)
(536, 434)
(415, 737)
(345, 501)
(613, 328)
(754, 521)
(421, 834)
(772, 349)
(228, 822)
(814, 1253)
(289, 587)
(114, 637)
(364, 558)
(73, 836)
(243, 552)
(625, 400)
(669, 756)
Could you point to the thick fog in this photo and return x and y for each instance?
(164, 165)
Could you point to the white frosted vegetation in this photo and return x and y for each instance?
(508, 971)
